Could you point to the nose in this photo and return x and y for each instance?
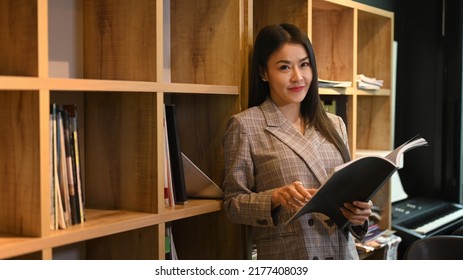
(296, 75)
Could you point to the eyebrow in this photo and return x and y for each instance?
(287, 61)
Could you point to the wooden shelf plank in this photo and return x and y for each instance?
(337, 91)
(381, 92)
(100, 223)
(60, 84)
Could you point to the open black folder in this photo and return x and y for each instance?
(356, 180)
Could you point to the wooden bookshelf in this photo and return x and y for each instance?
(120, 61)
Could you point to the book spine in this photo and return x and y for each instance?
(53, 224)
(80, 192)
(81, 188)
(75, 161)
(62, 169)
(69, 167)
(60, 220)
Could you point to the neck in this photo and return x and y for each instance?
(292, 112)
(295, 118)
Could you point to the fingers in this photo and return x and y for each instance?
(357, 212)
(358, 208)
(301, 193)
(312, 192)
(363, 204)
(294, 195)
(293, 201)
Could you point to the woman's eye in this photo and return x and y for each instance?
(305, 64)
(284, 67)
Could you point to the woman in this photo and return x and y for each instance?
(280, 150)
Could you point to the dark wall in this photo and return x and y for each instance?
(428, 93)
(419, 100)
(452, 100)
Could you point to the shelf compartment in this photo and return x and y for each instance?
(139, 244)
(18, 26)
(121, 150)
(374, 122)
(268, 12)
(20, 199)
(65, 38)
(118, 143)
(218, 242)
(197, 118)
(120, 40)
(205, 42)
(333, 40)
(375, 46)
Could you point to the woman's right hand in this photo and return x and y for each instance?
(292, 196)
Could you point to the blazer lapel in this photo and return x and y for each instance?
(279, 126)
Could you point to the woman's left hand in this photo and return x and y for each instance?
(357, 212)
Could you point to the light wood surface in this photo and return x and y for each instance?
(20, 163)
(59, 84)
(18, 55)
(205, 42)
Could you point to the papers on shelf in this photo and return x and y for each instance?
(364, 82)
(330, 84)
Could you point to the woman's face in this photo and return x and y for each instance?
(289, 75)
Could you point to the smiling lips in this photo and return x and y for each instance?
(297, 89)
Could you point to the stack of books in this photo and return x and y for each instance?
(67, 191)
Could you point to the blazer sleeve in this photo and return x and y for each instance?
(242, 203)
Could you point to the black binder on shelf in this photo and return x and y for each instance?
(176, 164)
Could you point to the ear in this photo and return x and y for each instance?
(263, 74)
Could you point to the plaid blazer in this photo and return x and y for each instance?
(263, 151)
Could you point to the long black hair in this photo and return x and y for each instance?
(270, 39)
